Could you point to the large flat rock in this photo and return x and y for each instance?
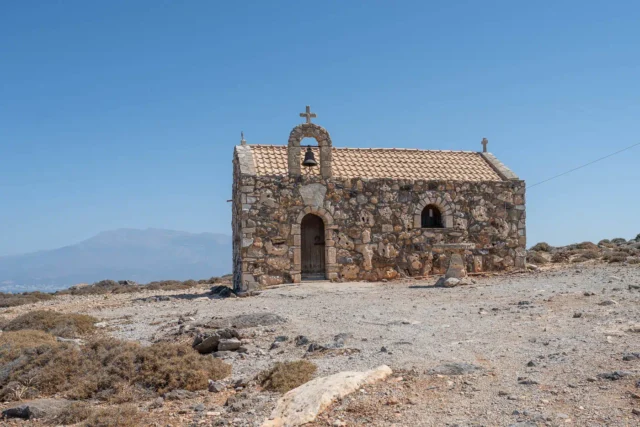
(303, 404)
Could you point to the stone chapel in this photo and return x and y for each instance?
(322, 212)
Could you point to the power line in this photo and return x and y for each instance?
(585, 165)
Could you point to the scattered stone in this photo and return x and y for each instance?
(531, 364)
(577, 315)
(158, 402)
(526, 381)
(209, 342)
(588, 294)
(627, 357)
(454, 369)
(244, 321)
(179, 394)
(216, 386)
(608, 302)
(301, 340)
(37, 409)
(634, 329)
(222, 291)
(274, 345)
(614, 376)
(313, 347)
(281, 338)
(199, 407)
(635, 411)
(303, 404)
(229, 344)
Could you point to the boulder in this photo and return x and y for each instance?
(37, 409)
(456, 268)
(230, 344)
(303, 404)
(208, 342)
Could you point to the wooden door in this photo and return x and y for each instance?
(312, 230)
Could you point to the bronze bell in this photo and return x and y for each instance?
(309, 159)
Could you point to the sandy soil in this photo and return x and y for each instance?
(540, 339)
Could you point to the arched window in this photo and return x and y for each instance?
(431, 217)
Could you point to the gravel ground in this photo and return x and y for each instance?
(541, 340)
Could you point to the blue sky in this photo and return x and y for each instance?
(125, 113)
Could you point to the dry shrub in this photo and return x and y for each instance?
(106, 369)
(67, 325)
(617, 256)
(537, 258)
(13, 300)
(73, 414)
(590, 255)
(634, 261)
(559, 257)
(287, 376)
(125, 287)
(121, 416)
(542, 247)
(164, 367)
(587, 246)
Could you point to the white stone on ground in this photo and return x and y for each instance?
(303, 404)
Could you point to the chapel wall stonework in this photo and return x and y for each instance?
(372, 226)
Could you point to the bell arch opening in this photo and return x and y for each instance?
(295, 152)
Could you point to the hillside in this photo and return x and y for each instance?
(139, 255)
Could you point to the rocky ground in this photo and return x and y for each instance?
(556, 346)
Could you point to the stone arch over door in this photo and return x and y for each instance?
(445, 207)
(331, 267)
(320, 134)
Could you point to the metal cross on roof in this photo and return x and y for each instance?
(308, 114)
(485, 141)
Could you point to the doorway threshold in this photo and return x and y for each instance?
(314, 278)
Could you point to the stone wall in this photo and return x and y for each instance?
(373, 226)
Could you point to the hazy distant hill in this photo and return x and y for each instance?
(140, 255)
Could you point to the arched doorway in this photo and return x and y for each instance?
(313, 247)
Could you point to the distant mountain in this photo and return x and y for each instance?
(139, 255)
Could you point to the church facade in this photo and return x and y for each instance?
(347, 214)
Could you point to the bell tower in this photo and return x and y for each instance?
(294, 151)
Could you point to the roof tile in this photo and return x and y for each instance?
(384, 163)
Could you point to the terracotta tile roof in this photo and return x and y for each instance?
(385, 163)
